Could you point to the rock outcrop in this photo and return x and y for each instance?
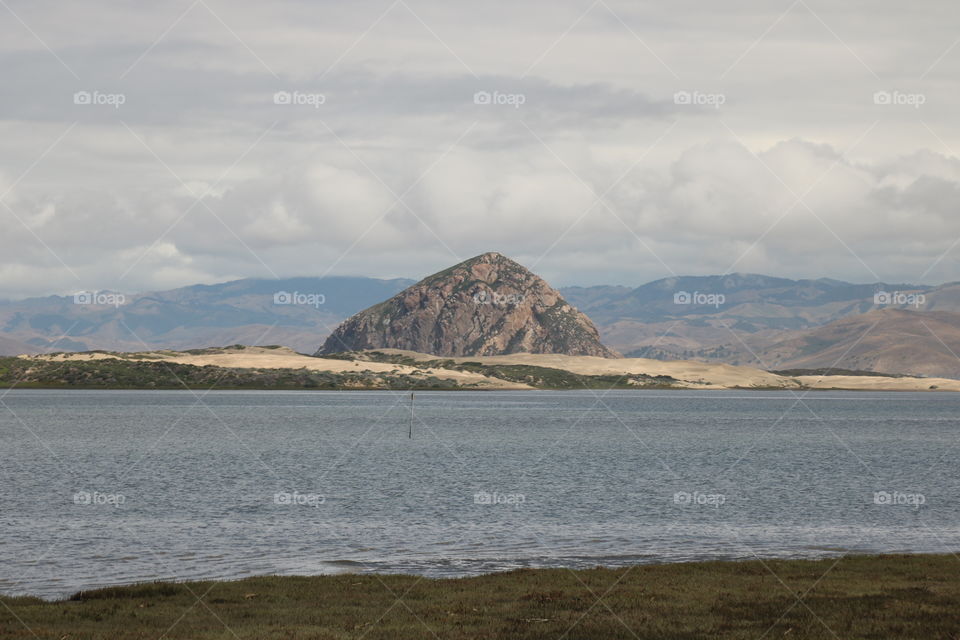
(488, 305)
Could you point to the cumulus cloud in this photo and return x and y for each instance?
(717, 206)
(547, 131)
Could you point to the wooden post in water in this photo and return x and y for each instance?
(410, 434)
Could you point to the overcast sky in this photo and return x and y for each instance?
(145, 145)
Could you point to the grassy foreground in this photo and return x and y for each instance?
(857, 597)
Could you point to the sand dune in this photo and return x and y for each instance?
(877, 383)
(284, 358)
(693, 375)
(704, 375)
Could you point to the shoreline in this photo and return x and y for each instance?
(854, 596)
(278, 368)
(827, 555)
(27, 387)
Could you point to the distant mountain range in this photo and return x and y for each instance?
(750, 302)
(777, 323)
(295, 312)
(748, 319)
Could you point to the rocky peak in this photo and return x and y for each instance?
(488, 305)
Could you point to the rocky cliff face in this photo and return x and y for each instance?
(488, 305)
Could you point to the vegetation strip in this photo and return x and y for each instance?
(855, 597)
(145, 371)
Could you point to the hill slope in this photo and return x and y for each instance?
(888, 340)
(11, 347)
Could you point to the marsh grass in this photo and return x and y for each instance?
(857, 597)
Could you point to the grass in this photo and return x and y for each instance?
(131, 372)
(535, 376)
(148, 374)
(856, 597)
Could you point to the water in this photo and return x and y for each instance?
(577, 479)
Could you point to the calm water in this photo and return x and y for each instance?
(100, 488)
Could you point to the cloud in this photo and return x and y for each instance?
(580, 105)
(717, 206)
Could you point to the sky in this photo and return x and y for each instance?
(153, 145)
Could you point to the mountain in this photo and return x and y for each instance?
(488, 305)
(713, 318)
(760, 298)
(289, 311)
(886, 340)
(10, 347)
(706, 317)
(593, 297)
